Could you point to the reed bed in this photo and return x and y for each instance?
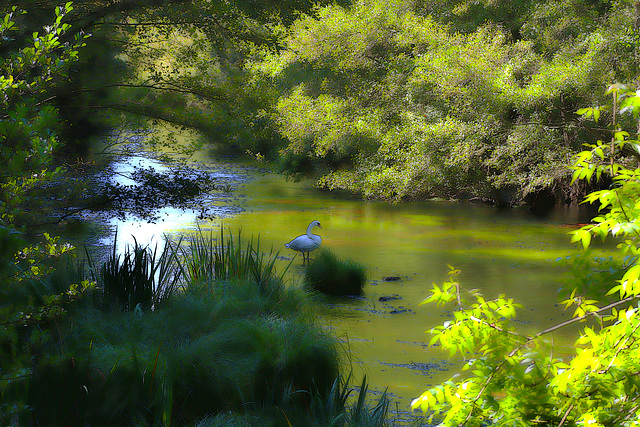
(201, 332)
(207, 259)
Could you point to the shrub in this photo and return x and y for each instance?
(330, 275)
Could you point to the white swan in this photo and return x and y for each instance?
(306, 242)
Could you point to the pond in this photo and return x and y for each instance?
(405, 248)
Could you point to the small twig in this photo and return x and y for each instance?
(580, 318)
(566, 415)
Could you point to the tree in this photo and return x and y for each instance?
(516, 379)
(29, 122)
(28, 131)
(178, 61)
(398, 101)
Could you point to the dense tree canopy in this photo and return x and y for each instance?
(394, 100)
(471, 99)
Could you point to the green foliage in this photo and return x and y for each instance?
(153, 190)
(239, 345)
(30, 302)
(362, 414)
(28, 121)
(330, 275)
(244, 343)
(591, 276)
(393, 101)
(332, 410)
(208, 259)
(518, 379)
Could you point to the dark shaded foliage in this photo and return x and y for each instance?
(330, 275)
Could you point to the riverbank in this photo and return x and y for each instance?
(203, 332)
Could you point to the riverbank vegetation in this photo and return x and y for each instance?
(528, 379)
(454, 99)
(158, 342)
(392, 100)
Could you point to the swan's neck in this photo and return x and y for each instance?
(309, 230)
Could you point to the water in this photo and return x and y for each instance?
(498, 252)
(384, 334)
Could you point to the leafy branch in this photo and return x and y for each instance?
(516, 379)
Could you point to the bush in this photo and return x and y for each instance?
(209, 259)
(330, 275)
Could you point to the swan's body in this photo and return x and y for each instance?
(306, 242)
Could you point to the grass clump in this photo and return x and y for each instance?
(205, 353)
(216, 338)
(208, 259)
(330, 275)
(141, 277)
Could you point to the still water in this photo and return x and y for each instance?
(508, 252)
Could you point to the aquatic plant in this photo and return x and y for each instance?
(338, 408)
(140, 277)
(330, 275)
(207, 259)
(335, 408)
(362, 414)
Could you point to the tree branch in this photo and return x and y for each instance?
(580, 318)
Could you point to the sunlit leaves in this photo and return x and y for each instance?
(430, 104)
(590, 112)
(583, 306)
(517, 379)
(583, 236)
(45, 50)
(514, 108)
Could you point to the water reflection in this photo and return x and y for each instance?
(170, 221)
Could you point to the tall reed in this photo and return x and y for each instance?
(141, 277)
(208, 259)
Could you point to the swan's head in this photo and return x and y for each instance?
(315, 223)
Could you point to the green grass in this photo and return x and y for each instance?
(202, 354)
(330, 275)
(223, 341)
(207, 259)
